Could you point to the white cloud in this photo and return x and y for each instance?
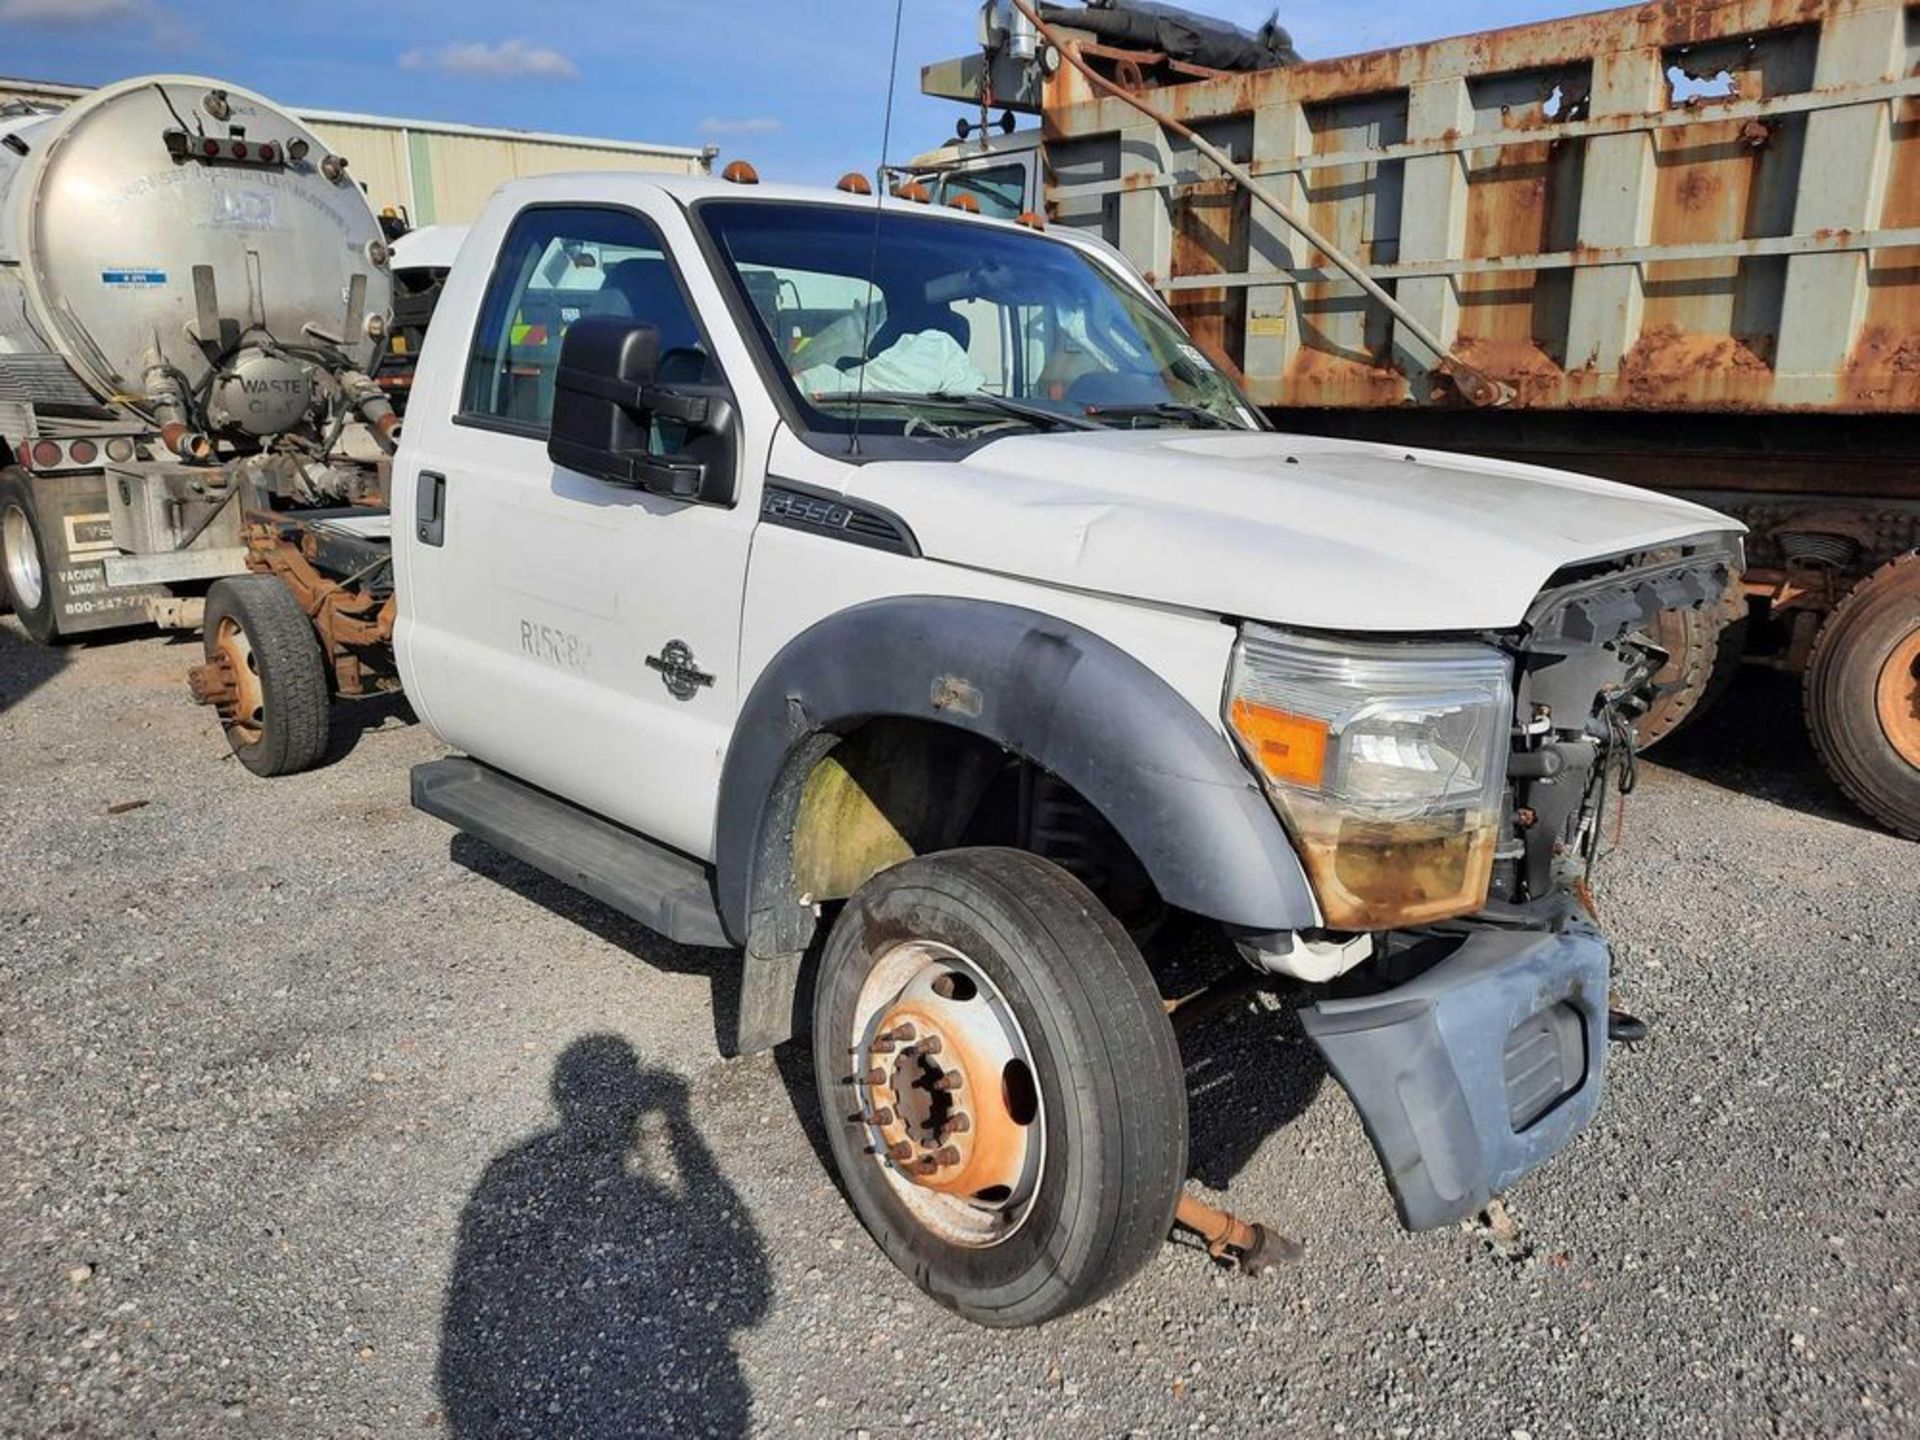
(168, 31)
(72, 12)
(508, 60)
(753, 125)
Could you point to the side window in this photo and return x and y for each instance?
(558, 264)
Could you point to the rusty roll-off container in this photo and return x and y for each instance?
(1690, 206)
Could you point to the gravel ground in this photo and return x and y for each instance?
(317, 1122)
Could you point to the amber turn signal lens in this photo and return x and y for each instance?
(1290, 748)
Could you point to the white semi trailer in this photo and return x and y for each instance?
(194, 295)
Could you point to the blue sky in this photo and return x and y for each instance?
(797, 86)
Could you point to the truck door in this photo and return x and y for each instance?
(579, 634)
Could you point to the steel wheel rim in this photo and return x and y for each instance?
(1897, 698)
(246, 713)
(23, 558)
(926, 1012)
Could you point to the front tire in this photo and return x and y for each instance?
(266, 675)
(1863, 695)
(23, 559)
(1001, 1088)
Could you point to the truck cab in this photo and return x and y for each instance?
(825, 576)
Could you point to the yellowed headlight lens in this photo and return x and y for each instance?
(1387, 762)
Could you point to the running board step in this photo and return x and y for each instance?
(664, 890)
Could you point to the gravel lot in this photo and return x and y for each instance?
(317, 1122)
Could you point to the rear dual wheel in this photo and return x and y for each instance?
(1001, 1088)
(1703, 655)
(1863, 695)
(23, 559)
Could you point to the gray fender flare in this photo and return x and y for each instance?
(1045, 689)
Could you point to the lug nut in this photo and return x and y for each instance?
(947, 1080)
(926, 1165)
(903, 1032)
(948, 1155)
(883, 1117)
(930, 1045)
(900, 1150)
(876, 1077)
(882, 1044)
(958, 1125)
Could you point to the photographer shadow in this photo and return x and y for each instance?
(601, 1271)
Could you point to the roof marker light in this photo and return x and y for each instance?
(740, 173)
(854, 183)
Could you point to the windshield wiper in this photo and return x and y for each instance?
(1163, 409)
(976, 400)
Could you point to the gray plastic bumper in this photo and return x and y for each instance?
(1483, 1067)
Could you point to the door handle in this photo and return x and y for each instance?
(430, 508)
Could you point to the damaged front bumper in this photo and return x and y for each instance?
(1479, 1069)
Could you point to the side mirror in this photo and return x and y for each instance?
(613, 420)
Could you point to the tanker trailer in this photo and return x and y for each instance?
(193, 295)
(1671, 244)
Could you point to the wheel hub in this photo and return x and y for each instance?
(947, 1093)
(1897, 698)
(23, 558)
(230, 682)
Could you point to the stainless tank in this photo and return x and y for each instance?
(108, 216)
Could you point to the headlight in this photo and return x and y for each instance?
(1387, 762)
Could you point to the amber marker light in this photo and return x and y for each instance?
(1291, 749)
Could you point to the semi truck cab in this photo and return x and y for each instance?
(811, 574)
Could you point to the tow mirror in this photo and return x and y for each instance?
(613, 419)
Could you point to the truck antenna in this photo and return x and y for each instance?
(879, 204)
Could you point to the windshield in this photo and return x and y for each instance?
(964, 331)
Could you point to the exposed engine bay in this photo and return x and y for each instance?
(1585, 667)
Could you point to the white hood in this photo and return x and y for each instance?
(1294, 530)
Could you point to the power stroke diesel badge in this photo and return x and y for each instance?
(678, 673)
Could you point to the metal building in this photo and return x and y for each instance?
(438, 172)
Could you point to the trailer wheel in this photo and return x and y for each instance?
(265, 675)
(1863, 695)
(23, 559)
(1000, 1085)
(1705, 646)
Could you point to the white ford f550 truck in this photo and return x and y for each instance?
(793, 567)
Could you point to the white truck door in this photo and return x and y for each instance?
(578, 634)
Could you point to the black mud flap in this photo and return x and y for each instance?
(1478, 1070)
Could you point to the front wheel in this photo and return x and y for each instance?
(1001, 1088)
(1863, 695)
(265, 675)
